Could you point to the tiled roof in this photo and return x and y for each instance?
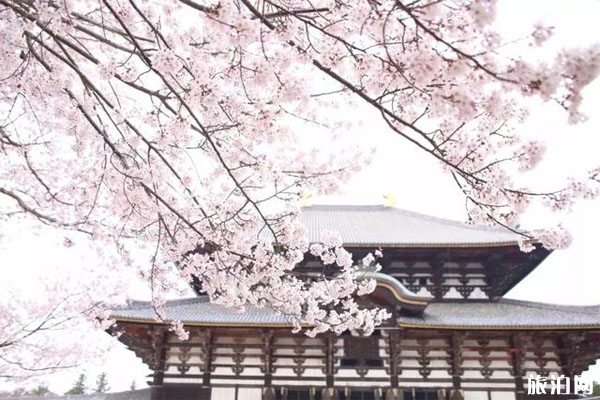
(199, 310)
(142, 394)
(504, 313)
(387, 226)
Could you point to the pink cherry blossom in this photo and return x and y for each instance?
(184, 134)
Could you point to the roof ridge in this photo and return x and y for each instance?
(415, 214)
(141, 304)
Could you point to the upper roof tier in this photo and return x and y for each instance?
(374, 226)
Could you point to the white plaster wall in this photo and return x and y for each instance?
(499, 364)
(487, 385)
(222, 371)
(222, 393)
(409, 353)
(247, 394)
(245, 352)
(477, 293)
(410, 364)
(183, 380)
(437, 353)
(311, 362)
(253, 382)
(308, 372)
(503, 396)
(439, 374)
(453, 294)
(295, 382)
(237, 340)
(251, 371)
(222, 360)
(407, 386)
(172, 370)
(173, 357)
(471, 374)
(476, 395)
(294, 341)
(351, 384)
(450, 281)
(411, 373)
(351, 373)
(502, 375)
(291, 352)
(438, 364)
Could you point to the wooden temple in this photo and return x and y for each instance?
(452, 335)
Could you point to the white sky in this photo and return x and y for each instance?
(570, 276)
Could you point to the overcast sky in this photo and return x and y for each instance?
(568, 277)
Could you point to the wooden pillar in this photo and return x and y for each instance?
(208, 355)
(437, 265)
(267, 337)
(567, 348)
(160, 337)
(456, 359)
(329, 359)
(516, 350)
(394, 351)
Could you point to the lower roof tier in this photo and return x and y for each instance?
(501, 314)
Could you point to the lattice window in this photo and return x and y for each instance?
(361, 352)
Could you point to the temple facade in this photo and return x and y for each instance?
(452, 335)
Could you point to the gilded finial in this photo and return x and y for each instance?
(305, 200)
(390, 200)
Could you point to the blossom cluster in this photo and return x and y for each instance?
(189, 130)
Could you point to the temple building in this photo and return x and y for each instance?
(452, 334)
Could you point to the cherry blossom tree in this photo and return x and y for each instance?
(40, 334)
(188, 130)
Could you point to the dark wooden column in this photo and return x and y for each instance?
(437, 265)
(329, 359)
(517, 342)
(567, 347)
(160, 337)
(394, 350)
(267, 337)
(456, 359)
(208, 355)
